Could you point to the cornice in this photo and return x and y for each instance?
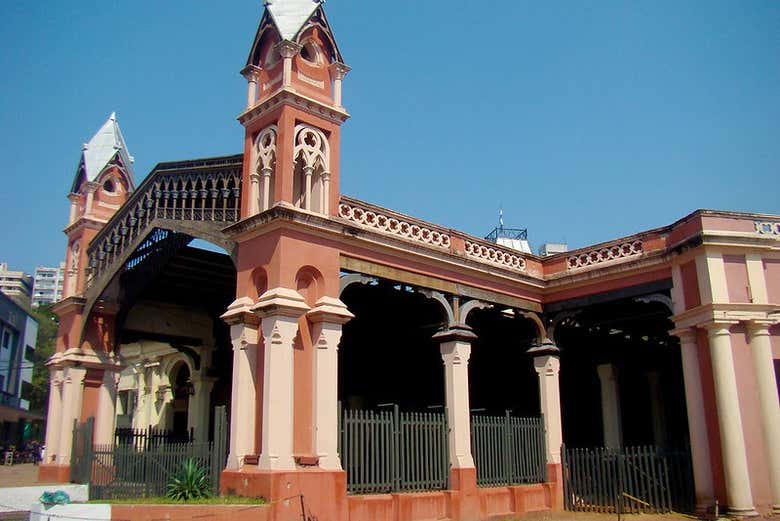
(344, 231)
(285, 96)
(727, 313)
(76, 302)
(84, 222)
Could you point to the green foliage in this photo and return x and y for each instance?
(191, 482)
(44, 348)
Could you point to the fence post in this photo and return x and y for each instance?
(218, 456)
(507, 452)
(396, 448)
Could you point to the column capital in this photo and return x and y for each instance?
(246, 335)
(685, 334)
(339, 70)
(288, 49)
(240, 312)
(330, 310)
(461, 333)
(251, 72)
(546, 348)
(718, 327)
(606, 371)
(759, 327)
(547, 365)
(280, 301)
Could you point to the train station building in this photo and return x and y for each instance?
(385, 367)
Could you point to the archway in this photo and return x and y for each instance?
(387, 354)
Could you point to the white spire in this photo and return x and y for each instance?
(290, 15)
(104, 146)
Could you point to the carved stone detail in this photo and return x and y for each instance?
(495, 255)
(606, 254)
(767, 227)
(393, 226)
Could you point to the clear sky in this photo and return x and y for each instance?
(585, 121)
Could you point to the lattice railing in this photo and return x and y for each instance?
(495, 254)
(392, 223)
(201, 190)
(609, 253)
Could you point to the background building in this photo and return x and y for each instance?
(15, 283)
(48, 284)
(18, 334)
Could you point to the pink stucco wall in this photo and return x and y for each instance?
(736, 278)
(772, 277)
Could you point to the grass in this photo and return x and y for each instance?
(218, 500)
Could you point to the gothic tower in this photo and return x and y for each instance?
(294, 110)
(103, 182)
(84, 368)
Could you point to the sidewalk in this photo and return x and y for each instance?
(22, 475)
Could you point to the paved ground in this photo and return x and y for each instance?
(592, 516)
(22, 475)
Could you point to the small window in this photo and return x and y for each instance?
(109, 186)
(310, 53)
(29, 354)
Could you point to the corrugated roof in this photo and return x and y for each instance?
(290, 15)
(104, 146)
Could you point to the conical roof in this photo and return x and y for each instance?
(289, 16)
(101, 150)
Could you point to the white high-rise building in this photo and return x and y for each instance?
(48, 284)
(15, 283)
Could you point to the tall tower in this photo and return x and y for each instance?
(103, 182)
(84, 368)
(294, 110)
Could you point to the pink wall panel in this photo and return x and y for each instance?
(772, 276)
(736, 278)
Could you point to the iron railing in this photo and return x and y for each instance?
(143, 439)
(508, 450)
(642, 479)
(129, 470)
(393, 451)
(206, 190)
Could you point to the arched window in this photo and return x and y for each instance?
(311, 184)
(263, 175)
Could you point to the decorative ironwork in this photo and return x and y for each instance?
(200, 190)
(605, 254)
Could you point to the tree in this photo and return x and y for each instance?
(45, 345)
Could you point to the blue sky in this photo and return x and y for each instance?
(585, 121)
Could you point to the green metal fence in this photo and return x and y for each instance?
(632, 480)
(128, 470)
(392, 451)
(508, 450)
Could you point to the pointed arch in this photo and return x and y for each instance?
(311, 184)
(264, 166)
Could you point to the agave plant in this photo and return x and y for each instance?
(190, 482)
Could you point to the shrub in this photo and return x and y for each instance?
(191, 482)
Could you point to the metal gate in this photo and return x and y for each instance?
(630, 480)
(394, 451)
(131, 470)
(81, 451)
